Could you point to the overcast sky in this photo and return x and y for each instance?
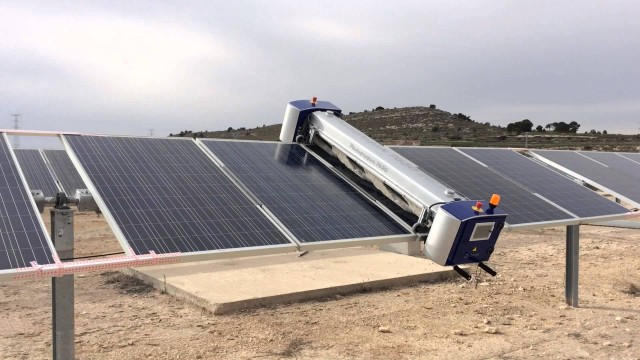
(124, 67)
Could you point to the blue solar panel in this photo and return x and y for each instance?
(311, 201)
(596, 172)
(615, 161)
(64, 170)
(36, 172)
(22, 239)
(167, 196)
(546, 182)
(477, 182)
(632, 156)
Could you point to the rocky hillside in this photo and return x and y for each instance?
(431, 126)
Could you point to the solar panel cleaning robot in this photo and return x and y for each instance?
(454, 231)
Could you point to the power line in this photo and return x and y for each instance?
(16, 125)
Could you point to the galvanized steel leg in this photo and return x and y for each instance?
(63, 330)
(573, 255)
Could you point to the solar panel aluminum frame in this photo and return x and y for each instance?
(182, 257)
(10, 274)
(581, 220)
(318, 245)
(587, 180)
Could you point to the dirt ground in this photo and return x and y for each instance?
(519, 314)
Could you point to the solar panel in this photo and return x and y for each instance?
(22, 236)
(632, 156)
(475, 181)
(311, 201)
(166, 195)
(594, 172)
(615, 161)
(546, 182)
(36, 171)
(64, 170)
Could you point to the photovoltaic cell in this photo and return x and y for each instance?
(311, 201)
(64, 170)
(620, 183)
(565, 192)
(167, 196)
(36, 172)
(22, 239)
(477, 182)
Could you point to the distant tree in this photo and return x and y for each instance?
(435, 128)
(604, 132)
(539, 128)
(462, 116)
(229, 129)
(242, 128)
(520, 126)
(593, 131)
(549, 127)
(378, 108)
(573, 127)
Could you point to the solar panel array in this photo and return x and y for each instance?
(36, 171)
(166, 195)
(602, 175)
(22, 239)
(65, 172)
(546, 182)
(311, 201)
(477, 182)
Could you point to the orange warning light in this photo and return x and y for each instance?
(495, 200)
(314, 100)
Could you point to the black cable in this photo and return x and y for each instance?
(93, 256)
(427, 215)
(434, 204)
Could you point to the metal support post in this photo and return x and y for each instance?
(63, 329)
(573, 255)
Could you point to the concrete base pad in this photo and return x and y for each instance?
(223, 286)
